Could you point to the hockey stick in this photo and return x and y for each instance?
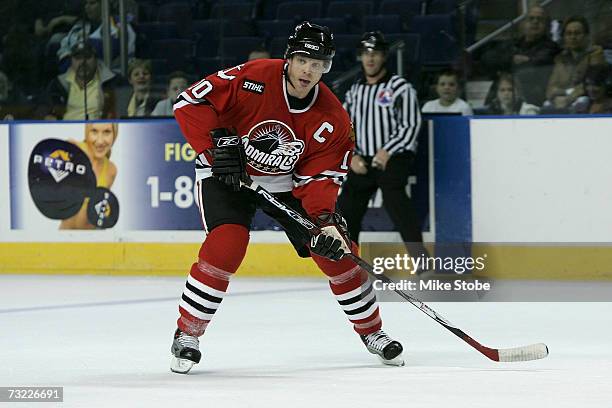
(524, 353)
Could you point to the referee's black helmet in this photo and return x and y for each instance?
(313, 40)
(373, 40)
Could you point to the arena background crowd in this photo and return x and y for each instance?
(553, 59)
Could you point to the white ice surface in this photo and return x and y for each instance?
(285, 343)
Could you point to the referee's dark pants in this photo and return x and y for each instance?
(358, 189)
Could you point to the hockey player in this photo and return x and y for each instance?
(297, 142)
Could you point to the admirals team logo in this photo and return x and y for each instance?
(272, 148)
(384, 97)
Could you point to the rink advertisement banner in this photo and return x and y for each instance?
(143, 176)
(4, 178)
(541, 179)
(144, 179)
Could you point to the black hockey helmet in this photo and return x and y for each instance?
(312, 40)
(373, 40)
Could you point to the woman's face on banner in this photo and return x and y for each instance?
(100, 139)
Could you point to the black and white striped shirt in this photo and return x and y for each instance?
(385, 115)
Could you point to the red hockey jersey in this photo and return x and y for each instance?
(306, 151)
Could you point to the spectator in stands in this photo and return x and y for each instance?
(12, 102)
(85, 91)
(259, 53)
(598, 87)
(53, 21)
(177, 83)
(447, 88)
(505, 98)
(566, 82)
(16, 56)
(142, 99)
(530, 57)
(90, 28)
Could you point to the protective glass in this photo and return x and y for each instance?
(315, 65)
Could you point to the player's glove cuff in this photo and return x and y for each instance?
(333, 241)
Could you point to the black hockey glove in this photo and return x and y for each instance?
(333, 241)
(229, 159)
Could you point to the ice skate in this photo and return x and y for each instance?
(388, 350)
(186, 353)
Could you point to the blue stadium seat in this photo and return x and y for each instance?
(441, 6)
(178, 13)
(277, 47)
(346, 51)
(177, 52)
(298, 10)
(160, 67)
(147, 11)
(386, 24)
(336, 25)
(352, 11)
(412, 46)
(239, 47)
(406, 9)
(217, 28)
(232, 11)
(275, 28)
(347, 41)
(440, 36)
(268, 9)
(157, 31)
(207, 66)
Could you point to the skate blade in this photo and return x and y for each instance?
(180, 365)
(396, 362)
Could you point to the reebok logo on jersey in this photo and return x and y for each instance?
(253, 86)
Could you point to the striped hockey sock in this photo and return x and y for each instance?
(205, 287)
(353, 291)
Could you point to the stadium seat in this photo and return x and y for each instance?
(268, 9)
(386, 24)
(346, 51)
(217, 28)
(352, 11)
(159, 66)
(232, 11)
(157, 31)
(147, 11)
(206, 66)
(275, 28)
(177, 52)
(441, 6)
(277, 47)
(239, 47)
(178, 13)
(298, 10)
(336, 25)
(347, 41)
(439, 33)
(406, 9)
(412, 46)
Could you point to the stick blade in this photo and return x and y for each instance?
(525, 353)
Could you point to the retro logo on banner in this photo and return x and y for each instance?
(61, 179)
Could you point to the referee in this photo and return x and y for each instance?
(385, 113)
